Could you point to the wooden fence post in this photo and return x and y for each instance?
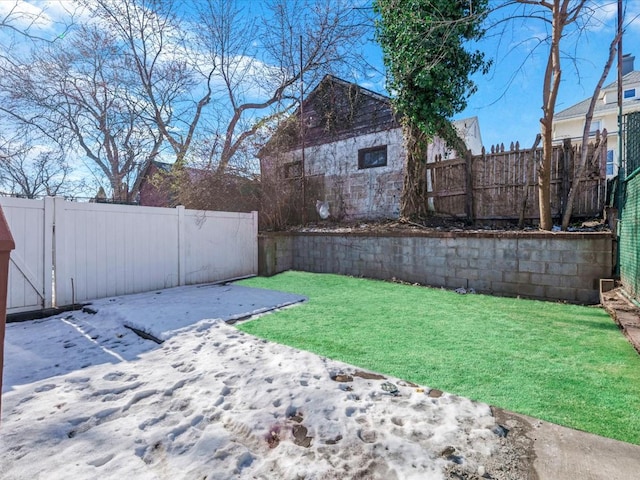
(468, 157)
(567, 174)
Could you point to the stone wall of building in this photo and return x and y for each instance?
(353, 192)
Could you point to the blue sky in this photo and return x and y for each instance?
(509, 99)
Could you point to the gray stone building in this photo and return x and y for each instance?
(344, 147)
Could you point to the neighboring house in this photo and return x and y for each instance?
(569, 123)
(352, 148)
(206, 191)
(152, 192)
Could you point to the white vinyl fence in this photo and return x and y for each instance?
(68, 252)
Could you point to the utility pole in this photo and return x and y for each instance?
(620, 124)
(302, 132)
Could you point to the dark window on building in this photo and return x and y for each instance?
(372, 157)
(631, 93)
(293, 170)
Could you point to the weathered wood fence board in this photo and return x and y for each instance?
(69, 252)
(502, 185)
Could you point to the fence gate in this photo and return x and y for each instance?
(30, 265)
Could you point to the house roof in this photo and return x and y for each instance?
(580, 108)
(337, 109)
(165, 167)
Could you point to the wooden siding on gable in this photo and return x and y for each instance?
(337, 110)
(334, 111)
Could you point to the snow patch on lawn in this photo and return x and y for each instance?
(87, 398)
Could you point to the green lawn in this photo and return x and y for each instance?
(566, 364)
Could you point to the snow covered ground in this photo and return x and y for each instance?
(84, 397)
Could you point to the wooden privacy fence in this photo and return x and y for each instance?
(69, 252)
(503, 184)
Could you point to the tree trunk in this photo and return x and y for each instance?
(544, 180)
(575, 186)
(566, 217)
(413, 203)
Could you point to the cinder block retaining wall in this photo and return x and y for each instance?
(542, 265)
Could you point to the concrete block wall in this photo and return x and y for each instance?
(541, 265)
(275, 254)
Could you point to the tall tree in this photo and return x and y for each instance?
(558, 14)
(261, 62)
(141, 78)
(567, 23)
(425, 51)
(176, 86)
(83, 88)
(221, 69)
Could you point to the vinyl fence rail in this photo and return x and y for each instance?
(68, 252)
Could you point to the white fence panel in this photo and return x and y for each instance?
(86, 251)
(30, 272)
(106, 250)
(218, 246)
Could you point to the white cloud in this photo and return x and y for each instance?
(22, 14)
(45, 19)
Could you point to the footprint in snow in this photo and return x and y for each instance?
(45, 388)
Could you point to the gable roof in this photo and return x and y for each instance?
(580, 108)
(337, 109)
(334, 110)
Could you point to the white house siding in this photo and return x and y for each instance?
(573, 128)
(569, 123)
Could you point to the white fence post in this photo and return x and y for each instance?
(49, 225)
(254, 234)
(182, 247)
(63, 293)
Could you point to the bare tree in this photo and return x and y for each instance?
(261, 64)
(27, 170)
(83, 88)
(155, 41)
(36, 22)
(246, 68)
(558, 14)
(565, 19)
(202, 81)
